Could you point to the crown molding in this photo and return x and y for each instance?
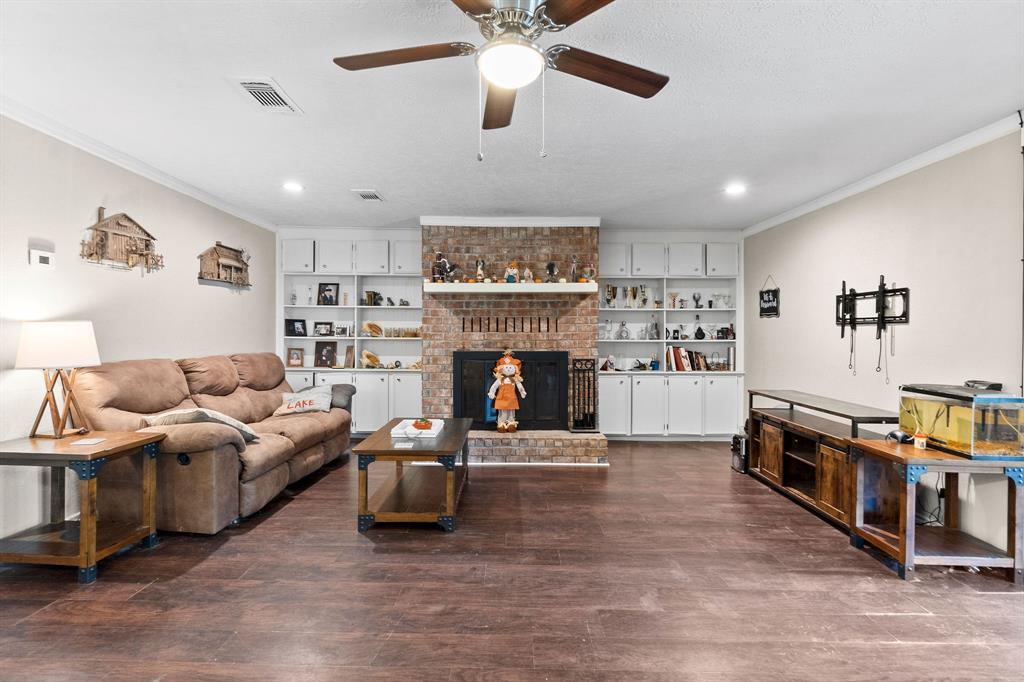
(993, 131)
(523, 221)
(33, 119)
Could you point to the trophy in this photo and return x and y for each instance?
(610, 294)
(696, 300)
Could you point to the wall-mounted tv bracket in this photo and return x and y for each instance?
(885, 315)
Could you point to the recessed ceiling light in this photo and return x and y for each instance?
(292, 186)
(734, 189)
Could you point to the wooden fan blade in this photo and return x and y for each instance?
(498, 110)
(404, 55)
(570, 11)
(614, 74)
(474, 6)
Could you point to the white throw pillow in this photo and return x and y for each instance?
(308, 401)
(198, 415)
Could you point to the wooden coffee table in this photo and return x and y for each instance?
(420, 493)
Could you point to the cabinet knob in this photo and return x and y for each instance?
(711, 381)
(714, 269)
(695, 383)
(398, 379)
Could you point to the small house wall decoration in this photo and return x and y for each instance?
(121, 242)
(224, 264)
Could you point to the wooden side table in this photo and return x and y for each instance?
(885, 508)
(85, 541)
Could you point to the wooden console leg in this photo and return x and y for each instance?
(951, 518)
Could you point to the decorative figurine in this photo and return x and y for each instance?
(696, 300)
(611, 293)
(512, 272)
(673, 299)
(699, 333)
(507, 380)
(444, 270)
(552, 271)
(527, 274)
(630, 297)
(295, 296)
(309, 295)
(643, 295)
(391, 301)
(590, 273)
(480, 270)
(403, 303)
(653, 331)
(675, 334)
(574, 267)
(623, 333)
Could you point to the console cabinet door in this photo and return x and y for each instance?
(334, 256)
(297, 255)
(686, 259)
(370, 403)
(406, 395)
(649, 260)
(721, 404)
(406, 258)
(723, 260)
(332, 378)
(833, 483)
(613, 404)
(685, 405)
(648, 405)
(299, 380)
(613, 260)
(771, 452)
(372, 257)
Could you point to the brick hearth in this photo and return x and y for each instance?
(575, 331)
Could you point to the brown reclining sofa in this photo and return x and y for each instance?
(207, 475)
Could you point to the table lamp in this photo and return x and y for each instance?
(57, 347)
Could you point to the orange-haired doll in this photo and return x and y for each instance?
(507, 380)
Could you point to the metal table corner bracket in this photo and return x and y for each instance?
(87, 575)
(151, 449)
(1015, 474)
(911, 473)
(365, 461)
(87, 470)
(447, 522)
(447, 460)
(365, 521)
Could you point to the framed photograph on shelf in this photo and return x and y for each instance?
(350, 357)
(326, 354)
(342, 329)
(323, 329)
(327, 293)
(295, 328)
(296, 357)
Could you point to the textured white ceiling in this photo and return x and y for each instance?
(796, 98)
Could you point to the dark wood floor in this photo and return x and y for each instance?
(665, 566)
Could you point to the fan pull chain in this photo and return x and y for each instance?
(543, 112)
(480, 118)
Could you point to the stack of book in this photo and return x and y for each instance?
(680, 359)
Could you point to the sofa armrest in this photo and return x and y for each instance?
(197, 437)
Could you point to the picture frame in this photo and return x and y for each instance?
(323, 329)
(342, 329)
(327, 293)
(295, 328)
(326, 354)
(350, 357)
(296, 357)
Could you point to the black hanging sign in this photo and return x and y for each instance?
(769, 302)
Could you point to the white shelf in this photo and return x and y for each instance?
(327, 307)
(353, 369)
(390, 338)
(700, 310)
(317, 274)
(671, 342)
(631, 340)
(605, 372)
(631, 310)
(389, 307)
(321, 338)
(505, 288)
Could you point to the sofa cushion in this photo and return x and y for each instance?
(259, 371)
(236, 404)
(254, 494)
(200, 415)
(271, 451)
(193, 438)
(333, 423)
(115, 396)
(265, 402)
(305, 462)
(298, 428)
(301, 403)
(213, 374)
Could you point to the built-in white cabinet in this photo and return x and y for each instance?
(299, 380)
(371, 256)
(648, 406)
(721, 405)
(297, 255)
(686, 259)
(613, 259)
(331, 378)
(370, 405)
(613, 407)
(406, 395)
(406, 258)
(334, 256)
(723, 259)
(685, 405)
(648, 260)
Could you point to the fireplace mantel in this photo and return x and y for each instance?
(492, 288)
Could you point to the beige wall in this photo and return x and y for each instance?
(952, 233)
(50, 191)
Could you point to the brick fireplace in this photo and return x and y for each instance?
(522, 322)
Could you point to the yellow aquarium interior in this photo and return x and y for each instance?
(949, 424)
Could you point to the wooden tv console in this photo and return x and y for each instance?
(805, 456)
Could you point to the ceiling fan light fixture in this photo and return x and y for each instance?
(510, 61)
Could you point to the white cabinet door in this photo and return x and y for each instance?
(613, 260)
(370, 403)
(297, 255)
(334, 256)
(721, 405)
(685, 405)
(406, 396)
(406, 258)
(372, 257)
(649, 260)
(686, 259)
(723, 260)
(299, 380)
(648, 405)
(331, 378)
(613, 404)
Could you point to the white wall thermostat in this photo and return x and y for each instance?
(40, 258)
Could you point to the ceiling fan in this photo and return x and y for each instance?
(510, 58)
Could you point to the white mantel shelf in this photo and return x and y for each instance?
(505, 288)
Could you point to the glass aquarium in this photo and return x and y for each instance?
(970, 422)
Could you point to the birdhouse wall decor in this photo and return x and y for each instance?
(224, 265)
(120, 242)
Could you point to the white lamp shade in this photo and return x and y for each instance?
(57, 345)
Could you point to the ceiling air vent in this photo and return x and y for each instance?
(368, 194)
(266, 95)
